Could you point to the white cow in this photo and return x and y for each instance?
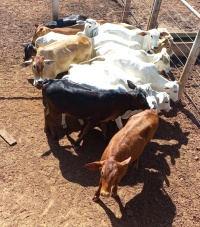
(102, 39)
(49, 38)
(161, 60)
(147, 39)
(145, 72)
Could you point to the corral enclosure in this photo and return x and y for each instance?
(44, 183)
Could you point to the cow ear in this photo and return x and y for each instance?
(26, 63)
(24, 44)
(164, 34)
(131, 84)
(125, 162)
(143, 33)
(165, 87)
(94, 165)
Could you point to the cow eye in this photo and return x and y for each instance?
(34, 66)
(89, 26)
(175, 91)
(151, 36)
(101, 173)
(166, 102)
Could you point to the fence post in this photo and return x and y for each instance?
(126, 11)
(189, 64)
(152, 23)
(55, 9)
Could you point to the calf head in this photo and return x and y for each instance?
(38, 65)
(163, 101)
(172, 89)
(40, 30)
(139, 97)
(111, 173)
(165, 42)
(153, 36)
(152, 102)
(29, 51)
(163, 62)
(90, 28)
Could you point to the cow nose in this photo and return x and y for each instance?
(105, 194)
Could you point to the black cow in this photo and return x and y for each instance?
(66, 21)
(95, 106)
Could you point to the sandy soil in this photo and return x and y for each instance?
(44, 183)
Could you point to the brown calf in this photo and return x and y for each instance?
(41, 30)
(125, 147)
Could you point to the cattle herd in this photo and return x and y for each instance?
(112, 73)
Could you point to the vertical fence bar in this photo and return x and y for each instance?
(189, 64)
(126, 11)
(55, 9)
(152, 23)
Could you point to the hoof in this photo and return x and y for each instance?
(64, 126)
(95, 199)
(76, 146)
(114, 195)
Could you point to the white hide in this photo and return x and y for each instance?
(161, 60)
(163, 100)
(49, 38)
(147, 39)
(102, 39)
(146, 72)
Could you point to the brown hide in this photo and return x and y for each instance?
(125, 147)
(42, 30)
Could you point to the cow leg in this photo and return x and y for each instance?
(119, 123)
(49, 123)
(114, 188)
(90, 124)
(81, 121)
(46, 127)
(104, 130)
(97, 193)
(114, 191)
(63, 122)
(136, 163)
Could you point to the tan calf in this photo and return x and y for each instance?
(56, 57)
(125, 147)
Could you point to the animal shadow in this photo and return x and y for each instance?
(152, 207)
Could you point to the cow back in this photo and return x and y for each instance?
(133, 137)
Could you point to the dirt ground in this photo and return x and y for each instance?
(44, 183)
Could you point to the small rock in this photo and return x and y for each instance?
(198, 148)
(196, 158)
